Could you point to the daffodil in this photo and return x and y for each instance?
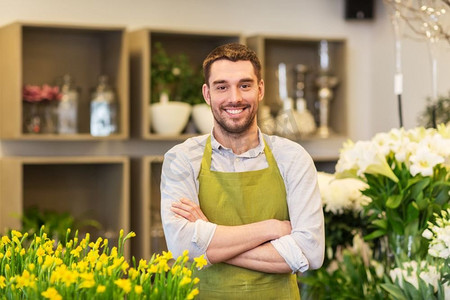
(52, 294)
(2, 282)
(200, 262)
(124, 284)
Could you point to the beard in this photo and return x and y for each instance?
(235, 126)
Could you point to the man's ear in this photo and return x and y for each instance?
(206, 95)
(261, 90)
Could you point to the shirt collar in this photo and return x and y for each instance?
(254, 152)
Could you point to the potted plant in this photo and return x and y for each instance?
(175, 90)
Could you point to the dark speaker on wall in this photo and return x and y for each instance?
(359, 9)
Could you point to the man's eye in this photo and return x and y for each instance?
(246, 86)
(221, 87)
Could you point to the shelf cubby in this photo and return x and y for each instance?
(146, 206)
(195, 45)
(293, 50)
(88, 188)
(38, 54)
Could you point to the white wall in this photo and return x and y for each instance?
(372, 105)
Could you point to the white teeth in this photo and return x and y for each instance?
(234, 111)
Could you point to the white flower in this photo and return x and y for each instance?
(423, 161)
(440, 235)
(339, 195)
(427, 234)
(412, 271)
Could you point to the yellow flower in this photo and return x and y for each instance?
(185, 280)
(26, 280)
(87, 284)
(192, 294)
(167, 255)
(142, 264)
(49, 260)
(15, 240)
(5, 239)
(113, 252)
(200, 262)
(16, 233)
(124, 284)
(186, 271)
(8, 253)
(1, 255)
(31, 267)
(2, 282)
(153, 269)
(138, 289)
(175, 269)
(40, 252)
(163, 266)
(196, 280)
(22, 252)
(92, 256)
(52, 294)
(133, 273)
(76, 252)
(186, 252)
(101, 288)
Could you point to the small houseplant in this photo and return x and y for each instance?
(175, 91)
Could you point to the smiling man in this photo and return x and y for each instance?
(247, 201)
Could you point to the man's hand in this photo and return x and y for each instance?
(187, 209)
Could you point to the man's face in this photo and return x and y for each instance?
(233, 94)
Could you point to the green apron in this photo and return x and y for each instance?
(237, 198)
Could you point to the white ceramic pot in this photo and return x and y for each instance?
(170, 117)
(203, 118)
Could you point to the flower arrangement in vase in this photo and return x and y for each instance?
(396, 246)
(39, 112)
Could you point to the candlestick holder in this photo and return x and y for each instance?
(326, 83)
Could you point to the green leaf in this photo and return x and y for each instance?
(419, 187)
(421, 201)
(412, 212)
(394, 290)
(442, 196)
(394, 201)
(381, 223)
(375, 234)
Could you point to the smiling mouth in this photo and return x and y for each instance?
(234, 111)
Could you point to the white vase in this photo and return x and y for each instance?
(170, 117)
(203, 118)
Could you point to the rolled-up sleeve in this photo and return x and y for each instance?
(304, 248)
(178, 180)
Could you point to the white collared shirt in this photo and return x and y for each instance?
(302, 249)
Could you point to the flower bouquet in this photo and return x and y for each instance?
(407, 174)
(402, 213)
(408, 179)
(89, 270)
(39, 110)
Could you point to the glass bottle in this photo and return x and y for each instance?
(68, 107)
(103, 109)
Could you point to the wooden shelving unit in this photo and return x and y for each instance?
(293, 50)
(94, 188)
(37, 54)
(196, 45)
(145, 206)
(98, 187)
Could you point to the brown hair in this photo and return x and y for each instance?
(233, 52)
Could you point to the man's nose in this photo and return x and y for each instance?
(236, 95)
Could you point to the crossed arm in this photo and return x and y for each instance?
(246, 246)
